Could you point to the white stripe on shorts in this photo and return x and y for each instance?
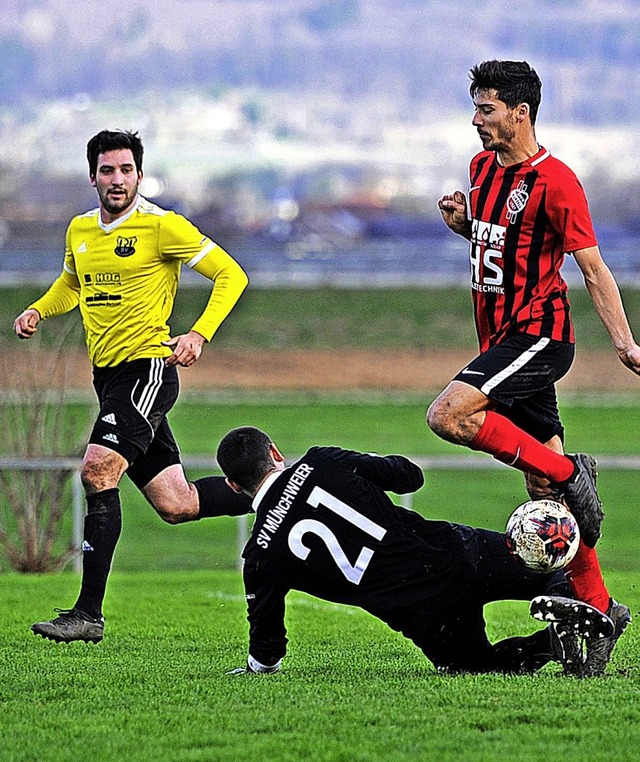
(150, 391)
(515, 366)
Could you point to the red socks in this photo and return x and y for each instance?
(585, 577)
(513, 446)
(501, 438)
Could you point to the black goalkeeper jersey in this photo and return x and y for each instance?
(326, 526)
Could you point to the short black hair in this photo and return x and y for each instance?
(515, 82)
(244, 455)
(110, 140)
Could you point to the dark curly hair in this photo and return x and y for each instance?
(515, 82)
(108, 140)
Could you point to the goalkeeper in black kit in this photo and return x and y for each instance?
(326, 526)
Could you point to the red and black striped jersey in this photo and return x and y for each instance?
(525, 218)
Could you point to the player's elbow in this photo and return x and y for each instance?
(234, 274)
(418, 479)
(242, 281)
(411, 481)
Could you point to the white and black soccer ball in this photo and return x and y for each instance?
(543, 535)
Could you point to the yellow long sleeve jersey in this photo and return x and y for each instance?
(124, 278)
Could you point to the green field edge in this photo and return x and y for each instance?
(364, 397)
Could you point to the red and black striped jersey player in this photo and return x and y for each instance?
(524, 212)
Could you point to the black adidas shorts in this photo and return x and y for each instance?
(135, 398)
(520, 375)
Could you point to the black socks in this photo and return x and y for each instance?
(103, 524)
(218, 499)
(102, 527)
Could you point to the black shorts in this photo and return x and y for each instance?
(520, 375)
(135, 398)
(460, 640)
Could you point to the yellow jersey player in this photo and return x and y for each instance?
(122, 268)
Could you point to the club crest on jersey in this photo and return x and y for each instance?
(517, 201)
(125, 247)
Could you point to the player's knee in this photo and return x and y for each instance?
(173, 518)
(172, 514)
(97, 475)
(440, 419)
(88, 479)
(452, 419)
(174, 499)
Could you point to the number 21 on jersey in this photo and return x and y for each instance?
(352, 572)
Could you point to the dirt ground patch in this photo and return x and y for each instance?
(328, 370)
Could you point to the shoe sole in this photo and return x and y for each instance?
(58, 639)
(587, 621)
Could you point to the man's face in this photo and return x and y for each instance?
(116, 181)
(495, 122)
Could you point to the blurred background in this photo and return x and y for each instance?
(312, 138)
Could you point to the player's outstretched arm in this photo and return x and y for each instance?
(392, 473)
(604, 292)
(453, 208)
(26, 324)
(62, 296)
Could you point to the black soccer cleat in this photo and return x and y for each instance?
(599, 651)
(566, 648)
(70, 625)
(580, 493)
(575, 627)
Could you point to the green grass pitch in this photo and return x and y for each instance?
(352, 690)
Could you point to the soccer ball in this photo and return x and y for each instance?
(543, 535)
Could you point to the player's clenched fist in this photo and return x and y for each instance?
(453, 208)
(26, 324)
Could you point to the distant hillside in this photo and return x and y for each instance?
(414, 51)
